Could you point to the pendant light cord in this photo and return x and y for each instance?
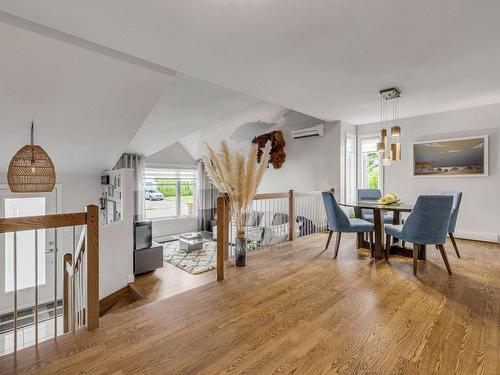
(32, 133)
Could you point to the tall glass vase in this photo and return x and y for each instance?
(241, 250)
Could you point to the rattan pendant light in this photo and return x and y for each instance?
(31, 170)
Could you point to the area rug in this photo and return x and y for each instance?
(194, 262)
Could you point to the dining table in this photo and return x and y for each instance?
(378, 209)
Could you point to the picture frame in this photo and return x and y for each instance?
(451, 157)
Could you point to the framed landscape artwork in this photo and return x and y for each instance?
(451, 157)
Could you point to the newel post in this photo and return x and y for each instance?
(222, 235)
(92, 249)
(292, 216)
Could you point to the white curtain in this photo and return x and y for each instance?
(206, 194)
(137, 163)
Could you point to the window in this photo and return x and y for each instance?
(169, 193)
(370, 171)
(350, 168)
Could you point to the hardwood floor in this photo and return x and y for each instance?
(168, 281)
(295, 310)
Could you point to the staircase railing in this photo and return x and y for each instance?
(80, 277)
(272, 219)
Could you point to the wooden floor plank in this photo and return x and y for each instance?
(294, 309)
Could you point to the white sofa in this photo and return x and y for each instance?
(263, 228)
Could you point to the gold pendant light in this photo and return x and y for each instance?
(31, 170)
(392, 153)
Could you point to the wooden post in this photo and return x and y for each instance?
(292, 216)
(222, 236)
(66, 286)
(92, 249)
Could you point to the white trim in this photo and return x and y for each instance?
(485, 157)
(359, 179)
(154, 165)
(58, 188)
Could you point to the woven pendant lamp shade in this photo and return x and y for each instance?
(31, 171)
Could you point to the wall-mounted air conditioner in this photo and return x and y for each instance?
(312, 131)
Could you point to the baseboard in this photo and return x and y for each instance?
(110, 300)
(478, 236)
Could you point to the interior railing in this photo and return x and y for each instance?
(273, 218)
(80, 272)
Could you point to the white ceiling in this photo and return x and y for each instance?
(326, 58)
(188, 105)
(86, 106)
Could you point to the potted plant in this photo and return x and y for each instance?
(238, 179)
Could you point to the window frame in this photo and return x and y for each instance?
(178, 192)
(359, 157)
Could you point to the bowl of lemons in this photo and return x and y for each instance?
(387, 199)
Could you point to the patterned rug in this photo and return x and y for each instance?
(194, 262)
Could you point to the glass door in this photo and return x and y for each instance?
(18, 205)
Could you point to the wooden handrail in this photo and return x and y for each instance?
(270, 196)
(16, 224)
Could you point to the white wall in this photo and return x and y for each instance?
(311, 163)
(479, 216)
(173, 155)
(79, 190)
(116, 243)
(173, 226)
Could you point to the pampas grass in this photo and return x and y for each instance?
(236, 177)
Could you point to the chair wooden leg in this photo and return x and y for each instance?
(445, 258)
(372, 246)
(454, 244)
(416, 250)
(329, 239)
(337, 244)
(387, 246)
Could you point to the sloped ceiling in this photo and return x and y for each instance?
(188, 105)
(87, 106)
(327, 59)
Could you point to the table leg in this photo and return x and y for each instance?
(359, 240)
(379, 246)
(396, 219)
(422, 252)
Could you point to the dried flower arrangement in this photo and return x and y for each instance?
(236, 177)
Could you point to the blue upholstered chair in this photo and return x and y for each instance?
(339, 222)
(457, 198)
(372, 195)
(427, 224)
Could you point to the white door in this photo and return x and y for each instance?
(27, 204)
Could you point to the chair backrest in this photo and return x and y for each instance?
(337, 219)
(457, 198)
(428, 221)
(369, 194)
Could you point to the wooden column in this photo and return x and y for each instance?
(92, 249)
(292, 216)
(379, 227)
(66, 287)
(222, 235)
(360, 240)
